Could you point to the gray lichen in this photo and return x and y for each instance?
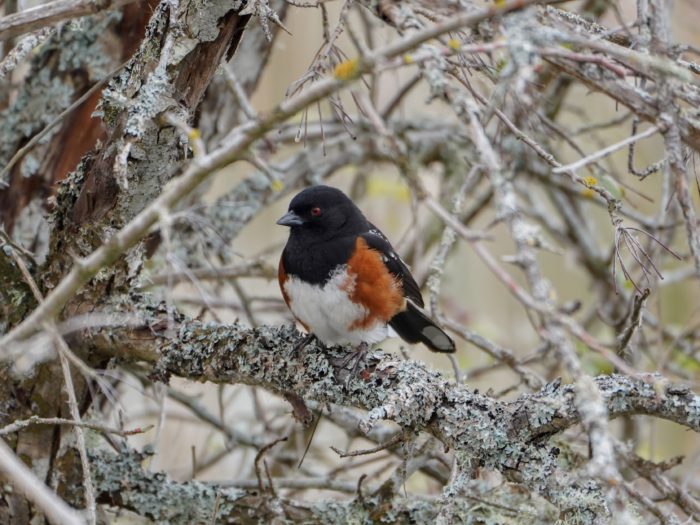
(48, 89)
(122, 481)
(204, 26)
(513, 438)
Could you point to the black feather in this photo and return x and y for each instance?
(377, 241)
(415, 327)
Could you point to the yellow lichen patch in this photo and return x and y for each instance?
(588, 193)
(347, 70)
(194, 134)
(408, 59)
(454, 44)
(277, 185)
(590, 181)
(501, 64)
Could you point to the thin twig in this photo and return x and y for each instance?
(42, 15)
(606, 151)
(635, 320)
(398, 438)
(55, 509)
(63, 350)
(239, 93)
(259, 457)
(20, 424)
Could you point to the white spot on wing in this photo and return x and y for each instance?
(379, 234)
(391, 254)
(437, 337)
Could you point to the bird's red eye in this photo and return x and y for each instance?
(316, 211)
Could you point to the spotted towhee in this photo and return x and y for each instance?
(342, 279)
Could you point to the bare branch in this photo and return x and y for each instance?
(37, 17)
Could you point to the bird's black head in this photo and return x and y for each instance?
(321, 212)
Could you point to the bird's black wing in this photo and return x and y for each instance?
(377, 241)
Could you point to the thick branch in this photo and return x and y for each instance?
(405, 392)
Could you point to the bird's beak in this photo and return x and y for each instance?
(290, 219)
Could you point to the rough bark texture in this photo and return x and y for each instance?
(91, 203)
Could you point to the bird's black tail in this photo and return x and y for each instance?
(413, 326)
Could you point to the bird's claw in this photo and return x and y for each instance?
(359, 355)
(303, 343)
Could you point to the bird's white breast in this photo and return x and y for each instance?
(328, 311)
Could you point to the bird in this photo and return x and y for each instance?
(344, 282)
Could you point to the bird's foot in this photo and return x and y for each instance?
(358, 355)
(303, 343)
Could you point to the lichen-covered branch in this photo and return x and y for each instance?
(406, 392)
(122, 482)
(510, 437)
